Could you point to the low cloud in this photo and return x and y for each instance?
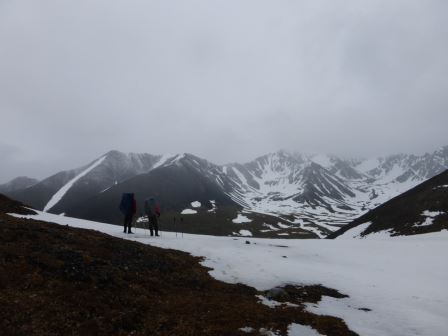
(226, 80)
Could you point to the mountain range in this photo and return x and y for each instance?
(276, 195)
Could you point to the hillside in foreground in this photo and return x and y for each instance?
(58, 280)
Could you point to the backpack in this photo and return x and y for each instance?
(151, 207)
(126, 204)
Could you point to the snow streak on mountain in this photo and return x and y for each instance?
(61, 192)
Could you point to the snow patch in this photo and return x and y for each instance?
(245, 233)
(163, 159)
(271, 227)
(241, 219)
(188, 212)
(270, 303)
(178, 158)
(196, 204)
(247, 329)
(301, 330)
(429, 217)
(213, 203)
(355, 232)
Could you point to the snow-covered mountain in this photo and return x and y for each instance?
(60, 191)
(421, 210)
(295, 188)
(18, 183)
(176, 183)
(321, 193)
(278, 194)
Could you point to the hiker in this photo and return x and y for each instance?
(152, 210)
(128, 207)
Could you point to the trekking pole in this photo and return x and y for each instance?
(160, 225)
(136, 223)
(174, 219)
(181, 230)
(144, 225)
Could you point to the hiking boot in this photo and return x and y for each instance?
(130, 232)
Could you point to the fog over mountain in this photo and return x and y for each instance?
(228, 81)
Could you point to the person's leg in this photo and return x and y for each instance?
(130, 223)
(151, 224)
(125, 223)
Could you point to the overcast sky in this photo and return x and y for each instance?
(227, 80)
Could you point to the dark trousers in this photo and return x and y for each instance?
(153, 223)
(128, 223)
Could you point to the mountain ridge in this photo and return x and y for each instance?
(297, 192)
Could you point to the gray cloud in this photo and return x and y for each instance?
(226, 80)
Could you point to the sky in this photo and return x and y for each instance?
(227, 80)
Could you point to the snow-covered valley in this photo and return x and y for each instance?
(396, 286)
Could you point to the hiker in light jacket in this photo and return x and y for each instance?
(152, 210)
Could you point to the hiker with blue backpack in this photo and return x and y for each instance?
(152, 210)
(128, 207)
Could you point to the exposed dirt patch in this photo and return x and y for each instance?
(308, 294)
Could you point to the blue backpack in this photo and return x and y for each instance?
(126, 203)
